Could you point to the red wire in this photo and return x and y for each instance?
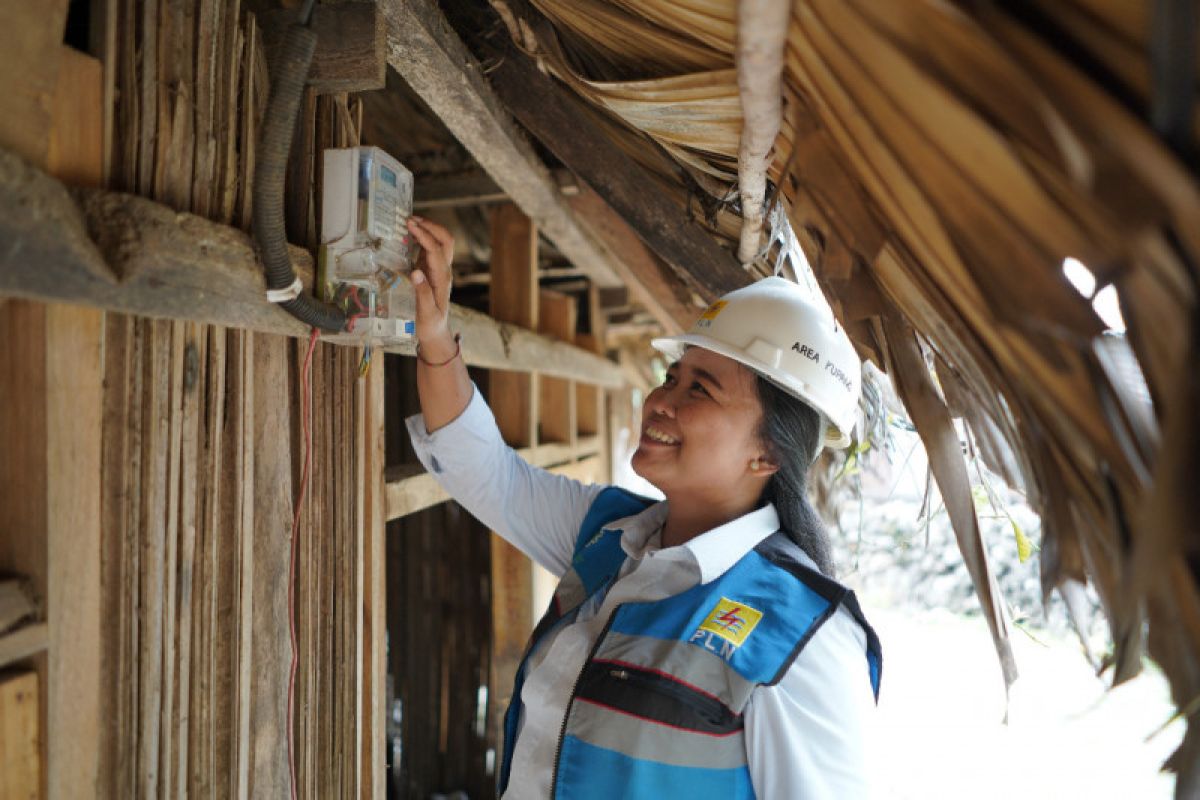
(362, 310)
(305, 406)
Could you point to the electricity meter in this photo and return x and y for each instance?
(365, 243)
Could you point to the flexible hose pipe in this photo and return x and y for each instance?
(287, 90)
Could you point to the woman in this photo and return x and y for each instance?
(696, 647)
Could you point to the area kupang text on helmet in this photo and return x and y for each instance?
(807, 351)
(839, 376)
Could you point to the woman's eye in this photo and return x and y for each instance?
(669, 380)
(698, 387)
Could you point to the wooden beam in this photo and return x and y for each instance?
(351, 51)
(411, 489)
(559, 120)
(125, 253)
(15, 604)
(651, 282)
(424, 49)
(557, 412)
(587, 470)
(451, 191)
(24, 642)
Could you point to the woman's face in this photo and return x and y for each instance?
(699, 430)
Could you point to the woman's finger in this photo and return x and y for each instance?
(441, 233)
(436, 257)
(431, 260)
(431, 246)
(428, 312)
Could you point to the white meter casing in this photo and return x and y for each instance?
(365, 243)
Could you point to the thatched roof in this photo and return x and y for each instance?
(938, 162)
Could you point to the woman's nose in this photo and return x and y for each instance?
(661, 402)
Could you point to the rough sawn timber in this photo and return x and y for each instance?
(350, 54)
(556, 118)
(126, 253)
(427, 53)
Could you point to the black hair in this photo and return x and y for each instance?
(791, 431)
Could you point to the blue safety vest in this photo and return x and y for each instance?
(657, 710)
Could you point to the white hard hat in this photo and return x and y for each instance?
(775, 330)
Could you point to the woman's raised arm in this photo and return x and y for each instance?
(442, 382)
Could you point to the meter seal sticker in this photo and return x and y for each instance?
(711, 313)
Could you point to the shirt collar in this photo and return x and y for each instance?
(637, 530)
(720, 548)
(714, 551)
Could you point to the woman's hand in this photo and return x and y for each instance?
(431, 279)
(443, 385)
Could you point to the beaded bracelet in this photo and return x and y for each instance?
(457, 351)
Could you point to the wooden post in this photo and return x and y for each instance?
(514, 299)
(514, 401)
(556, 319)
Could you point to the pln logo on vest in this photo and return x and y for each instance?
(726, 627)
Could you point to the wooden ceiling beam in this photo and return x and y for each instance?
(125, 253)
(428, 54)
(350, 45)
(452, 191)
(650, 280)
(559, 120)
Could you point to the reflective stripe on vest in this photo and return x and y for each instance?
(658, 707)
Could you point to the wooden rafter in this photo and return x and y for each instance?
(556, 118)
(649, 280)
(433, 60)
(125, 253)
(450, 191)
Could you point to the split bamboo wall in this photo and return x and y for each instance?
(202, 450)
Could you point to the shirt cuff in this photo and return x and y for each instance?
(474, 423)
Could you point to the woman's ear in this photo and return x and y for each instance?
(762, 465)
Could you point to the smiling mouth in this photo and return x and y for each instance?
(655, 435)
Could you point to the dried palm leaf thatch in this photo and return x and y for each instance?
(616, 42)
(938, 162)
(1117, 35)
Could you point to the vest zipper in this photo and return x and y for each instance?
(562, 733)
(710, 708)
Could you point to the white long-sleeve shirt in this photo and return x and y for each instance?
(804, 736)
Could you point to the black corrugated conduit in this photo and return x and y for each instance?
(287, 88)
